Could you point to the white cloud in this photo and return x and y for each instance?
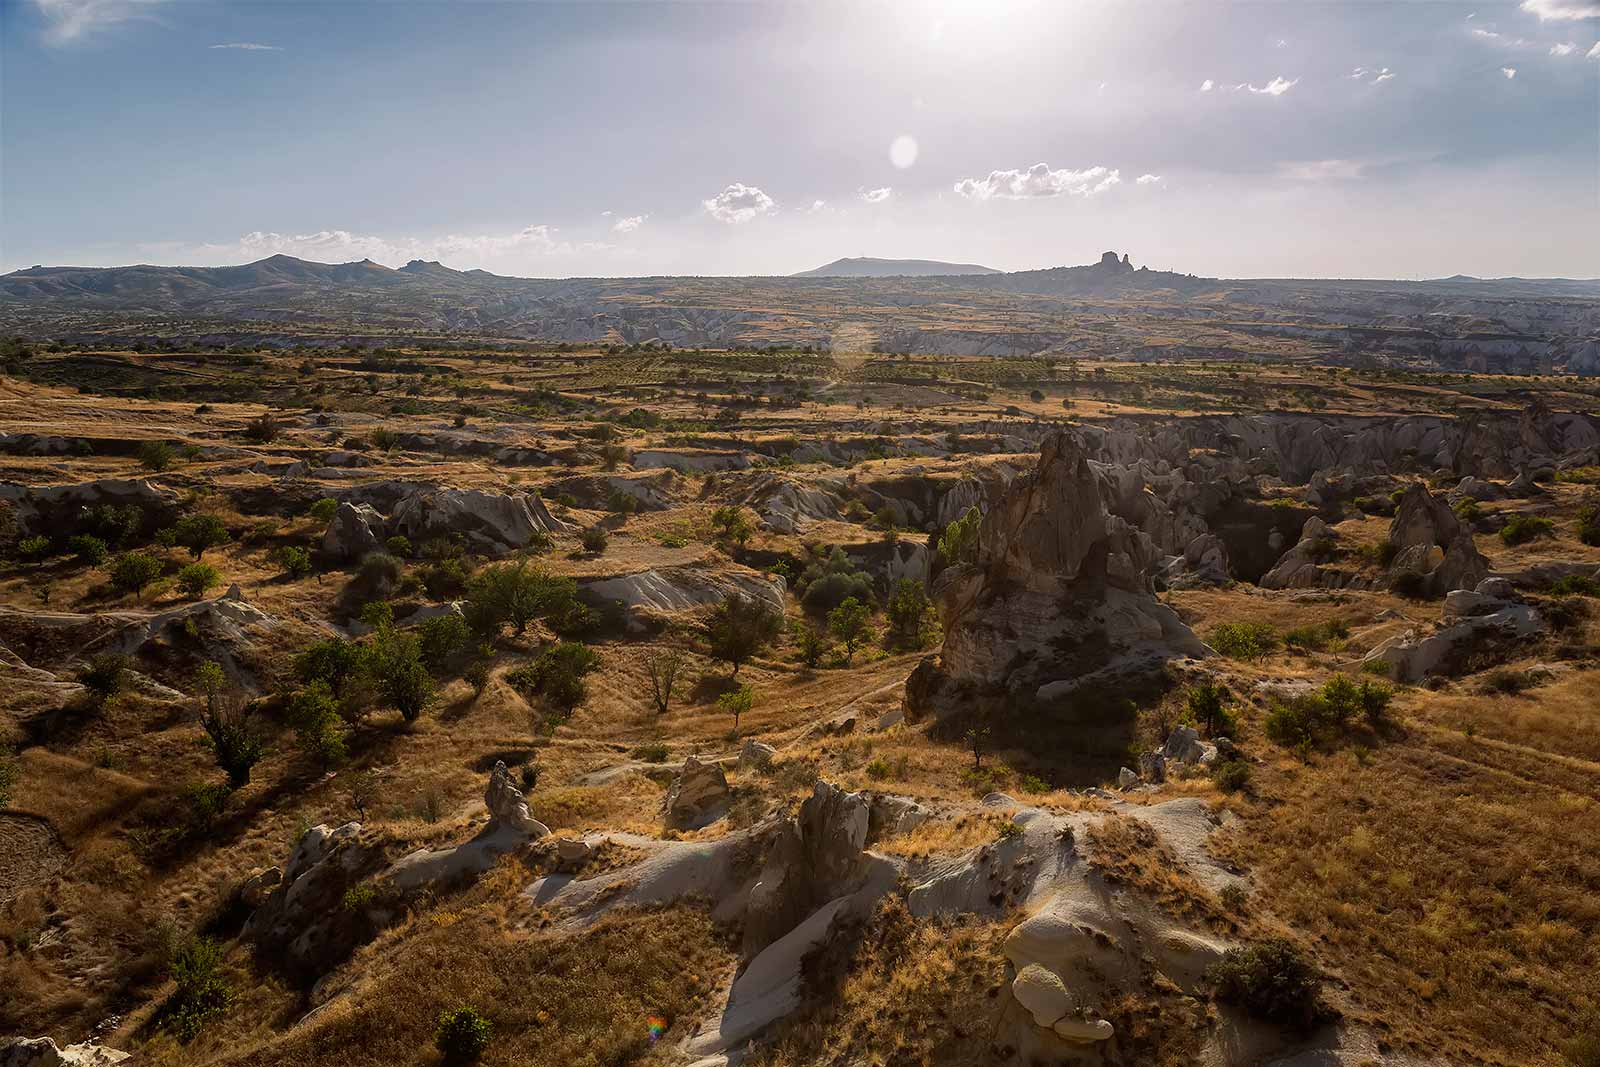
(1372, 77)
(1276, 87)
(1148, 179)
(1509, 72)
(1207, 85)
(818, 205)
(1038, 181)
(1487, 35)
(739, 203)
(1594, 53)
(877, 196)
(628, 223)
(69, 20)
(249, 46)
(340, 246)
(1565, 49)
(1562, 9)
(1322, 170)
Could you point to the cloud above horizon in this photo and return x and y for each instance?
(877, 196)
(628, 223)
(1567, 10)
(249, 46)
(1038, 181)
(739, 203)
(343, 246)
(67, 21)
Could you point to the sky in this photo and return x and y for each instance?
(1292, 138)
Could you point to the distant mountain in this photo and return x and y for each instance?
(866, 267)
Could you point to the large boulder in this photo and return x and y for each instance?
(510, 827)
(1434, 550)
(818, 856)
(59, 510)
(496, 523)
(1472, 622)
(354, 531)
(42, 1052)
(1059, 593)
(698, 796)
(304, 923)
(507, 806)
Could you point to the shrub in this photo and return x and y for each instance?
(849, 623)
(730, 523)
(394, 662)
(1272, 981)
(195, 578)
(398, 545)
(612, 455)
(155, 455)
(595, 539)
(199, 532)
(652, 753)
(1520, 529)
(557, 674)
(910, 612)
(379, 573)
(324, 509)
(463, 1035)
(314, 714)
(1575, 585)
(106, 674)
(830, 581)
(233, 739)
(662, 668)
(33, 548)
(1231, 776)
(477, 674)
(1316, 637)
(959, 542)
(335, 661)
(740, 627)
(202, 992)
(89, 549)
(262, 430)
(1589, 526)
(1244, 640)
(442, 637)
(811, 643)
(1207, 705)
(292, 560)
(516, 593)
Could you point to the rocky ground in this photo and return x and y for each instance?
(721, 708)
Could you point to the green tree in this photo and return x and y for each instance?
(314, 714)
(557, 674)
(106, 674)
(195, 578)
(736, 702)
(959, 542)
(1207, 704)
(740, 627)
(398, 673)
(849, 623)
(910, 612)
(155, 455)
(293, 560)
(323, 510)
(132, 571)
(516, 593)
(810, 642)
(731, 523)
(90, 550)
(199, 532)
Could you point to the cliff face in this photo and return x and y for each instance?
(1059, 594)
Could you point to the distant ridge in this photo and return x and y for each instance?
(866, 267)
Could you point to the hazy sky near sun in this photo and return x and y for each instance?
(1370, 139)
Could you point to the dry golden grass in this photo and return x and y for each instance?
(1128, 851)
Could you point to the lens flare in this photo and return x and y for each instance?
(656, 1025)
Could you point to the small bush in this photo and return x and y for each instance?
(399, 545)
(263, 430)
(155, 455)
(195, 578)
(910, 613)
(595, 540)
(463, 1035)
(1231, 776)
(199, 532)
(314, 714)
(324, 509)
(202, 990)
(293, 560)
(959, 542)
(1520, 529)
(379, 573)
(89, 550)
(849, 622)
(557, 674)
(1244, 640)
(1589, 526)
(106, 674)
(1272, 981)
(33, 548)
(442, 637)
(655, 753)
(730, 523)
(1575, 585)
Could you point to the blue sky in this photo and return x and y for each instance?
(1367, 139)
